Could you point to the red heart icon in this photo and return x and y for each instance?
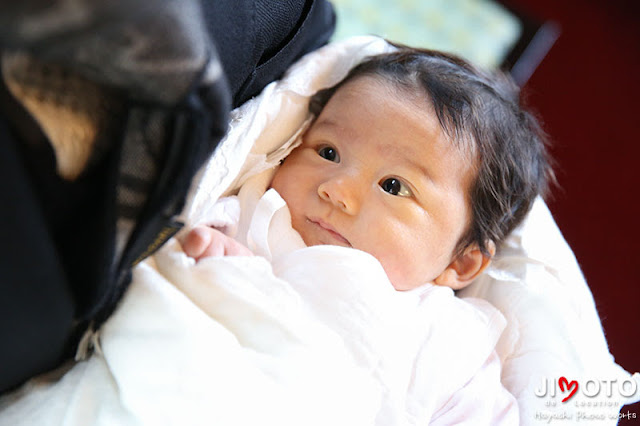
(562, 382)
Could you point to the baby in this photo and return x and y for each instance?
(414, 152)
(425, 163)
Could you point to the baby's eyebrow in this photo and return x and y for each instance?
(408, 160)
(332, 129)
(421, 167)
(328, 123)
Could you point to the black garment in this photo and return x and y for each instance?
(60, 270)
(273, 34)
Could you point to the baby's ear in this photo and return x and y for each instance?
(466, 267)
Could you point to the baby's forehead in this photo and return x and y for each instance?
(413, 94)
(382, 83)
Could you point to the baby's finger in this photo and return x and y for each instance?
(216, 247)
(196, 241)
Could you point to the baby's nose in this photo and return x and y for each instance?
(342, 192)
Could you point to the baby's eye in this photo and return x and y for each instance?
(395, 187)
(329, 153)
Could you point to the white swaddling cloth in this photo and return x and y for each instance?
(421, 346)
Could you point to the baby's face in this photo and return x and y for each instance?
(376, 172)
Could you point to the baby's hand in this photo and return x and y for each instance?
(204, 241)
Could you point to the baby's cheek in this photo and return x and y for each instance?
(393, 267)
(407, 271)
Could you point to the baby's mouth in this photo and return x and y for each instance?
(330, 230)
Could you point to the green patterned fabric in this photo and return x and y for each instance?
(479, 30)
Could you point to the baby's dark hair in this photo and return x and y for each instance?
(482, 110)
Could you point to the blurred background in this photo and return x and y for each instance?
(579, 64)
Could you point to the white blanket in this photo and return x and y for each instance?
(219, 347)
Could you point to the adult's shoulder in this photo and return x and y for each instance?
(258, 40)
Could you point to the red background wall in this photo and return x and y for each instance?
(587, 92)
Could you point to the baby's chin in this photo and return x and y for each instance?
(399, 283)
(319, 242)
